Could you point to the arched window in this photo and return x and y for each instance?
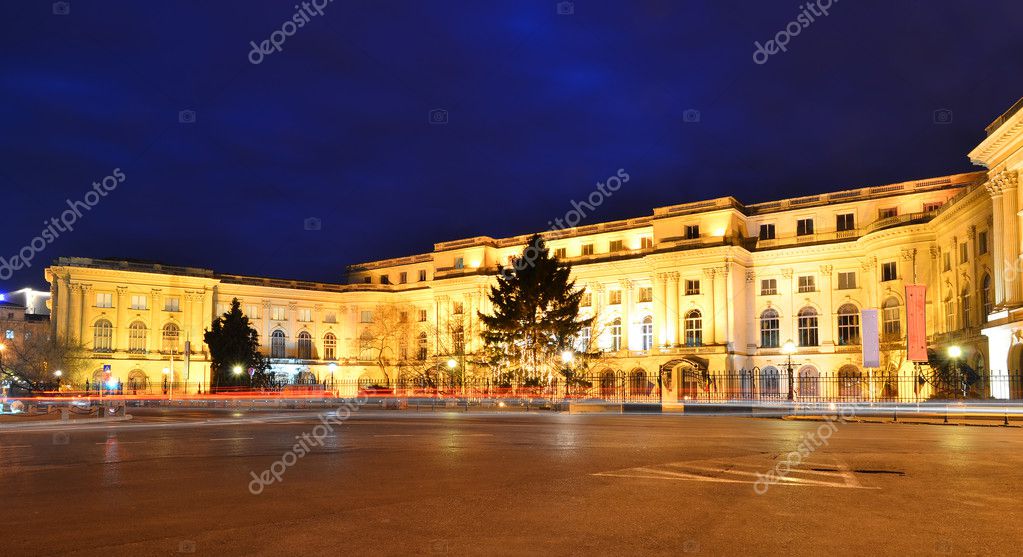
(693, 326)
(103, 336)
(807, 325)
(171, 334)
(891, 325)
(850, 382)
(277, 344)
(421, 350)
(808, 381)
(458, 339)
(582, 343)
(638, 384)
(967, 313)
(403, 347)
(305, 346)
(137, 379)
(985, 296)
(769, 329)
(329, 346)
(616, 334)
(769, 383)
(647, 332)
(137, 337)
(366, 345)
(848, 325)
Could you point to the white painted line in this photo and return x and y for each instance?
(230, 438)
(393, 435)
(120, 442)
(14, 446)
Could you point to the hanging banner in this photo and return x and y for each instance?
(870, 338)
(916, 323)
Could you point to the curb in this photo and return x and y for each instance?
(59, 423)
(908, 421)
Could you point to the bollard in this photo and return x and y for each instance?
(1006, 422)
(895, 415)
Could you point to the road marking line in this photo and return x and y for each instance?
(14, 446)
(230, 438)
(393, 435)
(120, 442)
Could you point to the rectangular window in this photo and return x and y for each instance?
(766, 232)
(402, 317)
(305, 315)
(422, 316)
(889, 271)
(330, 317)
(768, 287)
(365, 316)
(646, 294)
(947, 261)
(252, 311)
(422, 275)
(222, 308)
(964, 252)
(982, 243)
(615, 297)
(807, 283)
(692, 287)
(104, 300)
(887, 213)
(847, 280)
(560, 253)
(459, 262)
(933, 206)
(457, 308)
(616, 245)
(845, 222)
(587, 249)
(278, 313)
(367, 280)
(804, 227)
(385, 279)
(171, 304)
(692, 231)
(138, 301)
(587, 300)
(646, 242)
(402, 277)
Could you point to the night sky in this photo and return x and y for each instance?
(539, 107)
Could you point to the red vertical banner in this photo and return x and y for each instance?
(916, 323)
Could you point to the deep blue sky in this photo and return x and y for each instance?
(540, 106)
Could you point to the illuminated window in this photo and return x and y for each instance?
(583, 341)
(277, 344)
(172, 304)
(616, 245)
(647, 333)
(171, 334)
(616, 335)
(646, 294)
(138, 301)
(693, 328)
(847, 280)
(692, 287)
(329, 346)
(102, 336)
(768, 287)
(137, 337)
(769, 329)
(807, 283)
(104, 300)
(807, 326)
(891, 326)
(305, 346)
(278, 313)
(887, 213)
(614, 297)
(848, 325)
(587, 249)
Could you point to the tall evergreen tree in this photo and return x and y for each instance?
(234, 343)
(536, 311)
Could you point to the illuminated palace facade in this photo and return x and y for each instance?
(713, 284)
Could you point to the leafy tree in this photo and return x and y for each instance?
(28, 365)
(234, 342)
(536, 311)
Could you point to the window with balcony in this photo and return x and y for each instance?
(768, 287)
(887, 213)
(806, 325)
(807, 283)
(848, 325)
(692, 287)
(646, 294)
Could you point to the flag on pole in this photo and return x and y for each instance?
(916, 323)
(870, 339)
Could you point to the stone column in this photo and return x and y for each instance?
(827, 307)
(710, 321)
(673, 317)
(120, 324)
(1007, 181)
(291, 343)
(626, 286)
(76, 312)
(155, 337)
(660, 300)
(789, 333)
(998, 237)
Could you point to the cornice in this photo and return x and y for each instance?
(1003, 141)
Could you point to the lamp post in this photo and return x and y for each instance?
(333, 368)
(789, 348)
(955, 352)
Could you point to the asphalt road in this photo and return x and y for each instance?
(390, 483)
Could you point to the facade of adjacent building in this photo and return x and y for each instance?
(717, 284)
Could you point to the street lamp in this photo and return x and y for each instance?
(789, 348)
(452, 363)
(955, 352)
(567, 356)
(237, 370)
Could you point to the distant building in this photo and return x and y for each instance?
(18, 325)
(35, 302)
(711, 285)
